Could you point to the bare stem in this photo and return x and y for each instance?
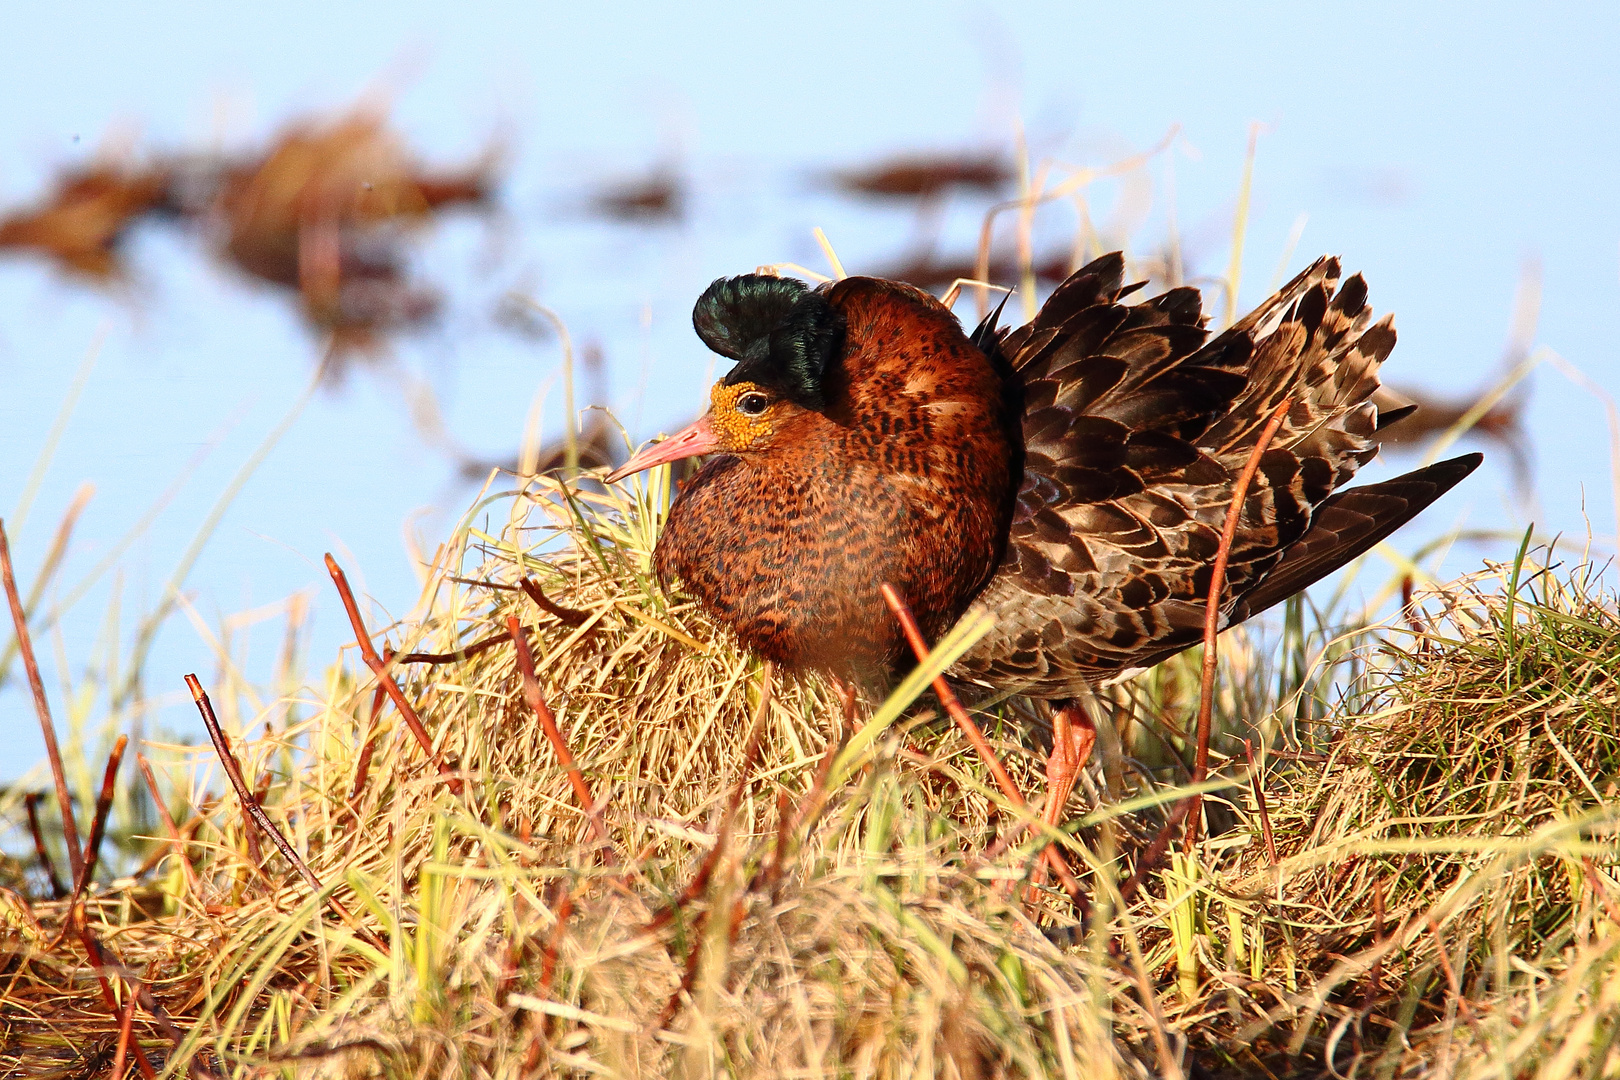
(25, 645)
(569, 616)
(177, 841)
(379, 667)
(548, 723)
(1212, 606)
(107, 962)
(451, 657)
(31, 801)
(368, 746)
(98, 824)
(947, 697)
(1260, 802)
(1155, 850)
(548, 955)
(126, 1020)
(250, 805)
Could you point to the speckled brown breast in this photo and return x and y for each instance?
(907, 477)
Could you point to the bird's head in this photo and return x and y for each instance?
(784, 338)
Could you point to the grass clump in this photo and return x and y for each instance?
(759, 909)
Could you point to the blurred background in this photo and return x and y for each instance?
(295, 279)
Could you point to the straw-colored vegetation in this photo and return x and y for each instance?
(1446, 901)
(765, 891)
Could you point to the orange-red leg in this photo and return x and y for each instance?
(1073, 737)
(847, 697)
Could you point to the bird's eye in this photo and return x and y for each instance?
(752, 404)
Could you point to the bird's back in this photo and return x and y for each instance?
(1135, 430)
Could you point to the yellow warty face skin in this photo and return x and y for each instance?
(735, 430)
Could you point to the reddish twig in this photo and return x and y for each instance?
(126, 1020)
(569, 616)
(25, 645)
(1260, 802)
(947, 697)
(1375, 979)
(255, 812)
(548, 724)
(379, 667)
(1452, 984)
(362, 767)
(773, 870)
(1051, 854)
(1212, 607)
(481, 645)
(693, 956)
(98, 824)
(93, 951)
(1407, 610)
(700, 880)
(1155, 850)
(548, 955)
(177, 839)
(255, 853)
(31, 801)
(99, 956)
(688, 977)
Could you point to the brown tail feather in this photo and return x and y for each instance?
(1347, 525)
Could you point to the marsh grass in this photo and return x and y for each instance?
(1441, 789)
(880, 925)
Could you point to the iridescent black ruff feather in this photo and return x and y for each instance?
(781, 334)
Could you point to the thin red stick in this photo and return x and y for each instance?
(1375, 980)
(125, 1022)
(1155, 850)
(25, 645)
(362, 767)
(98, 824)
(31, 801)
(568, 616)
(773, 869)
(104, 958)
(693, 956)
(1408, 611)
(700, 880)
(548, 724)
(1212, 606)
(177, 841)
(379, 667)
(451, 657)
(548, 955)
(255, 812)
(98, 959)
(1260, 802)
(947, 697)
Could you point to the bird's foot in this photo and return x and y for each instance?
(1073, 737)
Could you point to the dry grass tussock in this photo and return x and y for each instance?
(823, 904)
